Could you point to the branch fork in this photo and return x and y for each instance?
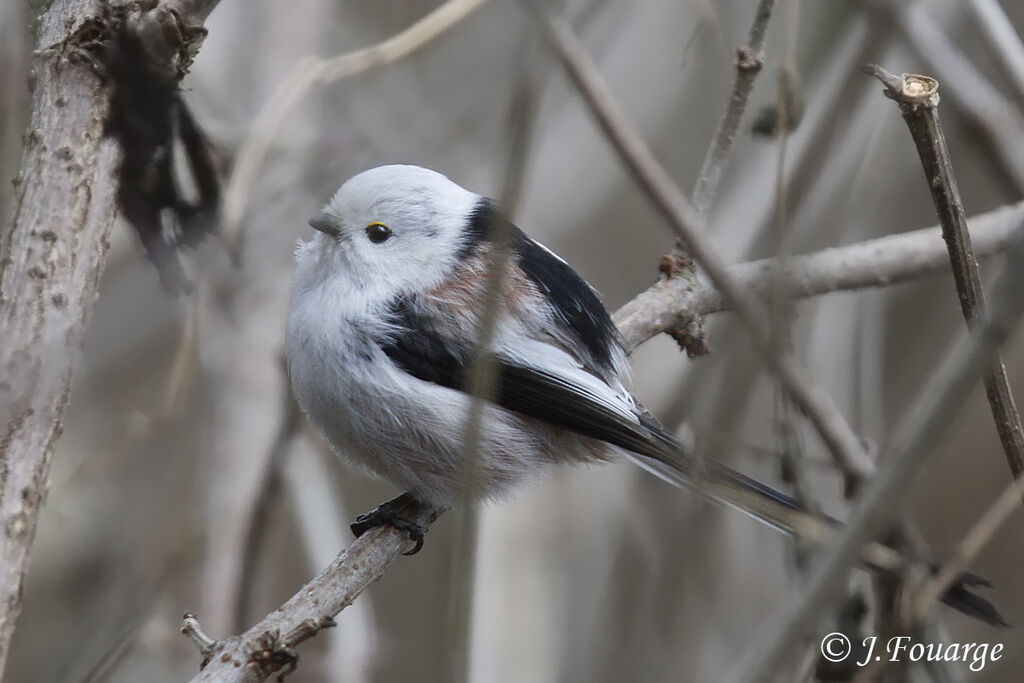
(267, 651)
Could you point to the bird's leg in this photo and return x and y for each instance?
(399, 513)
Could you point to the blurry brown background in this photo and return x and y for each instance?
(599, 574)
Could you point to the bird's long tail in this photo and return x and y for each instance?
(668, 460)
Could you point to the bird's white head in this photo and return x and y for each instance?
(388, 231)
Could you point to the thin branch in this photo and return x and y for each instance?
(193, 631)
(267, 495)
(996, 120)
(677, 265)
(309, 73)
(1002, 39)
(319, 512)
(873, 263)
(915, 439)
(973, 542)
(482, 377)
(841, 441)
(269, 645)
(918, 98)
(482, 386)
(749, 62)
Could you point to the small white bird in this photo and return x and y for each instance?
(384, 321)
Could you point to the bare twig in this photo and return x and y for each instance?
(51, 257)
(873, 263)
(483, 376)
(190, 628)
(973, 542)
(677, 266)
(914, 440)
(749, 62)
(482, 385)
(267, 495)
(918, 98)
(997, 121)
(269, 645)
(309, 73)
(1002, 38)
(841, 441)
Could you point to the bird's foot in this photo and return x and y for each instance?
(395, 514)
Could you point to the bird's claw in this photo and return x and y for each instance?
(391, 514)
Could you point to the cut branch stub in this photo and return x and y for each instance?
(907, 89)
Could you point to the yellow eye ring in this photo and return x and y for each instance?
(378, 232)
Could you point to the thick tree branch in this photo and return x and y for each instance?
(51, 256)
(918, 98)
(672, 302)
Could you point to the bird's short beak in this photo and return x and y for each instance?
(326, 223)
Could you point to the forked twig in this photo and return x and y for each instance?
(688, 226)
(914, 440)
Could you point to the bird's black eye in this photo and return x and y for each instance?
(378, 232)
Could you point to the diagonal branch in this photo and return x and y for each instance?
(309, 73)
(749, 62)
(918, 98)
(684, 220)
(269, 645)
(928, 595)
(1001, 39)
(914, 440)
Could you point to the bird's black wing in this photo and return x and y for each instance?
(579, 321)
(531, 391)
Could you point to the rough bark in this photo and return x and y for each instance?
(51, 257)
(55, 243)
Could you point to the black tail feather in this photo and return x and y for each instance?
(666, 459)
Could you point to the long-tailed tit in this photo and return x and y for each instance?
(385, 316)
